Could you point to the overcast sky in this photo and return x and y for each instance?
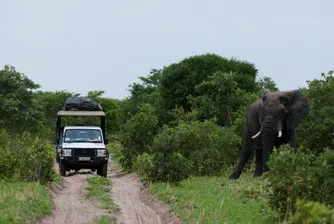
(81, 45)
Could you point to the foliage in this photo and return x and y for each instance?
(323, 178)
(178, 80)
(170, 167)
(24, 157)
(23, 202)
(267, 83)
(302, 175)
(240, 115)
(313, 213)
(220, 98)
(289, 179)
(137, 134)
(144, 166)
(17, 108)
(144, 92)
(208, 148)
(112, 109)
(317, 130)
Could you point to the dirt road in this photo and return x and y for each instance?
(136, 206)
(71, 205)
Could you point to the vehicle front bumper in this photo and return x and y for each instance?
(74, 162)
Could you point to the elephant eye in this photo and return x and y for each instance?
(284, 101)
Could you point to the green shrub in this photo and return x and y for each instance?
(323, 178)
(170, 167)
(313, 213)
(137, 134)
(289, 179)
(316, 131)
(204, 147)
(144, 166)
(300, 175)
(24, 157)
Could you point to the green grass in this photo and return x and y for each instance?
(105, 220)
(218, 200)
(56, 178)
(98, 189)
(23, 202)
(114, 149)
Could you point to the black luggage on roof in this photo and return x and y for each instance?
(81, 104)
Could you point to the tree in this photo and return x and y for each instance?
(17, 108)
(267, 83)
(112, 109)
(316, 132)
(220, 97)
(178, 80)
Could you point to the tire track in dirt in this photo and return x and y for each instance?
(136, 205)
(71, 204)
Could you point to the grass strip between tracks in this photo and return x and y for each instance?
(23, 202)
(98, 189)
(218, 200)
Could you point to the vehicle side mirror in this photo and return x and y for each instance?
(106, 141)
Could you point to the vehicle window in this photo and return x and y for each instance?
(82, 135)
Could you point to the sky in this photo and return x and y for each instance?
(82, 45)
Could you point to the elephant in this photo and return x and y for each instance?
(271, 122)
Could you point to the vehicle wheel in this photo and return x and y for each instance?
(103, 170)
(99, 171)
(62, 169)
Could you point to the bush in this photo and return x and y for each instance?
(289, 179)
(300, 175)
(170, 167)
(316, 132)
(312, 212)
(24, 157)
(323, 178)
(137, 134)
(144, 166)
(197, 148)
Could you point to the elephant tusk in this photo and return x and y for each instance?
(279, 133)
(257, 135)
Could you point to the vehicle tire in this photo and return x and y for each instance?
(103, 170)
(99, 171)
(62, 169)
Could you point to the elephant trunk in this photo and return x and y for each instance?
(279, 130)
(270, 128)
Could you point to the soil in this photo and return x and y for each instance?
(135, 202)
(136, 205)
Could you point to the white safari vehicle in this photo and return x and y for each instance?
(80, 146)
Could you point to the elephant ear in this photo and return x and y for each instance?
(264, 94)
(298, 108)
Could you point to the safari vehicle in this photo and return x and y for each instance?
(81, 146)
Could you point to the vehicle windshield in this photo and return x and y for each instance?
(82, 135)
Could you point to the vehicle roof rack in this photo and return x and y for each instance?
(81, 113)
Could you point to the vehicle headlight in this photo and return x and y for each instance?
(66, 152)
(101, 152)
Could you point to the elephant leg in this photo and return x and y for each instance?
(241, 164)
(246, 152)
(259, 163)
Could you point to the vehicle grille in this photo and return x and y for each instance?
(84, 152)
